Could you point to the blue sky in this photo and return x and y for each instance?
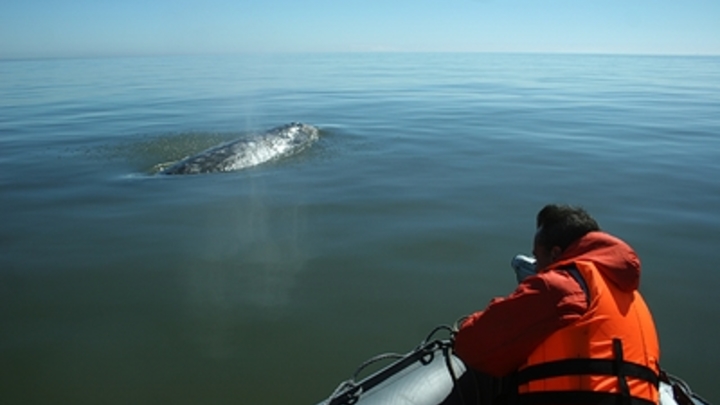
(66, 28)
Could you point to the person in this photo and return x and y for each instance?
(578, 331)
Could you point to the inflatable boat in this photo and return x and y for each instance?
(432, 375)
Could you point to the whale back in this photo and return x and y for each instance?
(278, 142)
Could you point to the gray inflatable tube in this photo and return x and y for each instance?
(428, 375)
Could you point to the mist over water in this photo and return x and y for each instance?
(273, 283)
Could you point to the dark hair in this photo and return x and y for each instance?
(561, 225)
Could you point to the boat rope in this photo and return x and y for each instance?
(447, 352)
(379, 357)
(438, 328)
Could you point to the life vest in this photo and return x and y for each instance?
(607, 357)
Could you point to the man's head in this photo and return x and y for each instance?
(558, 226)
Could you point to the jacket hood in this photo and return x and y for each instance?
(615, 259)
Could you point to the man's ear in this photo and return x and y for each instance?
(555, 253)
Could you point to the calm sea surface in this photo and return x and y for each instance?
(270, 285)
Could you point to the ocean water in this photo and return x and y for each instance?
(271, 284)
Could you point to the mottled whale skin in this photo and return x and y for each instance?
(253, 150)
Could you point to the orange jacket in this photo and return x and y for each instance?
(610, 354)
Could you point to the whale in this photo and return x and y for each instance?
(249, 151)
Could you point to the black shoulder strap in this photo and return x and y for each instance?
(575, 273)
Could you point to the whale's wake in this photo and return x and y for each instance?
(247, 152)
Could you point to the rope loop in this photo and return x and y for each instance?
(380, 357)
(435, 330)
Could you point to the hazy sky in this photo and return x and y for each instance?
(50, 28)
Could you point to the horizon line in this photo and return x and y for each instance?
(121, 55)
